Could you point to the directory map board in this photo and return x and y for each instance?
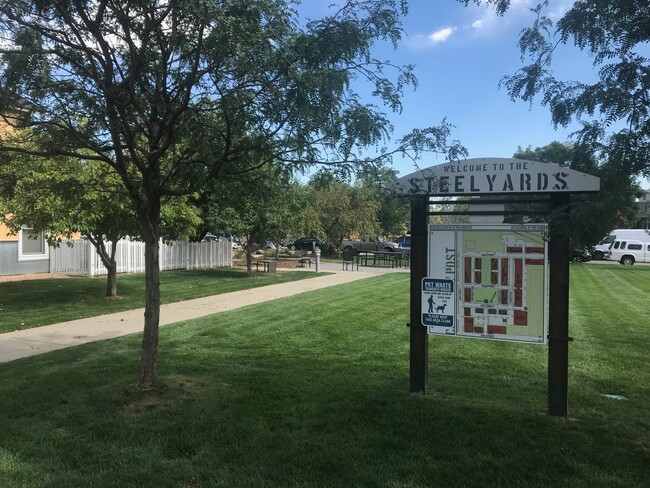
(487, 281)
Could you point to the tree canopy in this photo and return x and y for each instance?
(171, 94)
(613, 102)
(592, 216)
(343, 210)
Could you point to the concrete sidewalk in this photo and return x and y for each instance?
(30, 342)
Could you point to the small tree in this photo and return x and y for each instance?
(394, 213)
(259, 206)
(64, 196)
(343, 210)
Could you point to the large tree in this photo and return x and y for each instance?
(613, 102)
(394, 215)
(592, 216)
(171, 93)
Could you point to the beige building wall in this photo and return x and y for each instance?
(5, 235)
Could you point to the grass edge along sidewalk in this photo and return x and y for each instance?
(38, 340)
(27, 304)
(312, 391)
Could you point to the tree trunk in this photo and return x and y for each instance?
(149, 357)
(111, 281)
(111, 267)
(108, 260)
(149, 217)
(249, 259)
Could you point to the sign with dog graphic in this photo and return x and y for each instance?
(438, 305)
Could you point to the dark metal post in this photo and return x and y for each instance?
(419, 338)
(558, 338)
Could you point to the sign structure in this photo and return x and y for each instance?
(495, 176)
(495, 277)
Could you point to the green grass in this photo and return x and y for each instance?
(312, 391)
(27, 304)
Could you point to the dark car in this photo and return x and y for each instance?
(404, 242)
(306, 244)
(580, 255)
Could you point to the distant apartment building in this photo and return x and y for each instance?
(643, 202)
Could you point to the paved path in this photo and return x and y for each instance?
(30, 342)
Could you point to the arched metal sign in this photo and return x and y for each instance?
(496, 178)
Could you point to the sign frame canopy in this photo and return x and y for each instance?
(495, 176)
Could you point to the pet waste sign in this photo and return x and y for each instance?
(438, 305)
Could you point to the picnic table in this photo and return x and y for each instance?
(383, 258)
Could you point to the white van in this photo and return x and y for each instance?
(629, 251)
(601, 249)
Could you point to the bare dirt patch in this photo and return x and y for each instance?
(34, 276)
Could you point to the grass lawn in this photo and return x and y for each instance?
(26, 304)
(312, 391)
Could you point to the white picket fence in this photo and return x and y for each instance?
(78, 256)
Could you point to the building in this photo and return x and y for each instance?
(643, 204)
(24, 252)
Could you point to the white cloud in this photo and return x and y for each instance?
(487, 23)
(442, 35)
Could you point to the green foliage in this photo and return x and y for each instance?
(613, 109)
(341, 210)
(592, 216)
(262, 204)
(172, 95)
(394, 214)
(259, 205)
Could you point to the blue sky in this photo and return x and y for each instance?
(460, 54)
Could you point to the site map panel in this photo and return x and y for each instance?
(499, 275)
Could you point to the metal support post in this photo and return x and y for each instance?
(558, 338)
(419, 338)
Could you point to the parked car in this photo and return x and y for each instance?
(630, 251)
(580, 255)
(404, 243)
(211, 238)
(268, 245)
(306, 244)
(369, 244)
(601, 249)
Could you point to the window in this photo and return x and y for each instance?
(31, 245)
(616, 244)
(635, 247)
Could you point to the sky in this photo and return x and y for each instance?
(460, 55)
